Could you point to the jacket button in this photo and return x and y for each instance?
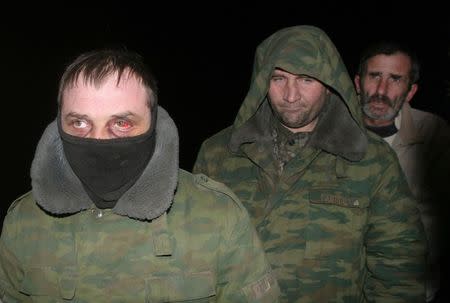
(98, 213)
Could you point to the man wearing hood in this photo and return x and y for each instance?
(111, 217)
(328, 199)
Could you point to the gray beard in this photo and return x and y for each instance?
(390, 115)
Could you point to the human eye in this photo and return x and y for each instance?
(79, 124)
(277, 78)
(374, 76)
(396, 79)
(122, 125)
(305, 80)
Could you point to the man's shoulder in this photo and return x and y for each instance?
(427, 117)
(24, 203)
(205, 191)
(416, 112)
(24, 217)
(219, 139)
(423, 117)
(434, 130)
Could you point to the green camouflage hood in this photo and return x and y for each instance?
(307, 50)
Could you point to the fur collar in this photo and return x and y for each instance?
(336, 132)
(58, 191)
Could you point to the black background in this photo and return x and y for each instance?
(202, 56)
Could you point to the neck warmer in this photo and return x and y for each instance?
(383, 131)
(107, 168)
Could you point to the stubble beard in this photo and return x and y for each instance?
(298, 118)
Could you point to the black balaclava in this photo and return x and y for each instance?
(107, 168)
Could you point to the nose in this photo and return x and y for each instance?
(99, 134)
(291, 91)
(382, 86)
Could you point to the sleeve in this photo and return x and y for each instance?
(395, 243)
(244, 272)
(11, 272)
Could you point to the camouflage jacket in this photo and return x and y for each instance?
(199, 246)
(339, 223)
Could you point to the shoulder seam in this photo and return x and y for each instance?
(218, 187)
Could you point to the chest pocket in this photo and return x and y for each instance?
(337, 223)
(43, 284)
(192, 287)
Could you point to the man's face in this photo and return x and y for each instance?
(384, 87)
(296, 100)
(110, 110)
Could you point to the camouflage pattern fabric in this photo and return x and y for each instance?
(204, 249)
(339, 224)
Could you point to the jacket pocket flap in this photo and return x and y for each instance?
(182, 286)
(337, 197)
(44, 281)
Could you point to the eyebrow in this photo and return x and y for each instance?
(82, 116)
(279, 73)
(395, 76)
(124, 115)
(76, 115)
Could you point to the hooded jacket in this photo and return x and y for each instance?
(339, 223)
(171, 237)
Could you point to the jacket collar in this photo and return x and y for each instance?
(407, 130)
(336, 132)
(58, 191)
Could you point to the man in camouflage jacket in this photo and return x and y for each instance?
(166, 236)
(330, 203)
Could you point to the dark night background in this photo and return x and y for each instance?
(201, 56)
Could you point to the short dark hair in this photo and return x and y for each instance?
(390, 48)
(96, 65)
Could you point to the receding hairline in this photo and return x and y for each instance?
(87, 79)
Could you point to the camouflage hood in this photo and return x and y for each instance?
(57, 189)
(304, 50)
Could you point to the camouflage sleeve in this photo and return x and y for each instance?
(244, 274)
(395, 243)
(11, 272)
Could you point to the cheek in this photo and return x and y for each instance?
(272, 96)
(367, 87)
(271, 93)
(320, 98)
(64, 126)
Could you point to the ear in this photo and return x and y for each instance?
(356, 80)
(412, 92)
